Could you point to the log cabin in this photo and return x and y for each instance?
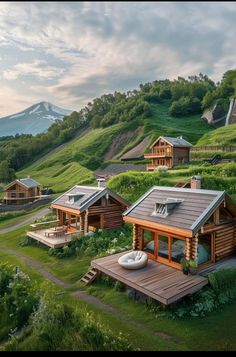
(21, 191)
(86, 208)
(171, 223)
(168, 151)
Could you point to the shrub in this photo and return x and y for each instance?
(56, 326)
(18, 299)
(223, 280)
(102, 242)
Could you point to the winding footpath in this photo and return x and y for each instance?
(81, 294)
(23, 222)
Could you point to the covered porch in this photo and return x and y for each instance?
(158, 281)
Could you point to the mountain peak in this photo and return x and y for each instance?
(33, 120)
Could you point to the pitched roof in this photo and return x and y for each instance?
(85, 197)
(27, 182)
(176, 142)
(195, 209)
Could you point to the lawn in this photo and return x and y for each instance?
(139, 325)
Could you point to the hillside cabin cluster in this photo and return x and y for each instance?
(21, 191)
(169, 224)
(169, 152)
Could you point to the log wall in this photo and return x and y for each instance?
(225, 241)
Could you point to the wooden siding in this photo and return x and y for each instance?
(180, 156)
(225, 241)
(158, 281)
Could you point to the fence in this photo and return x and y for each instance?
(214, 148)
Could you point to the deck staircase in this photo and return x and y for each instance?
(90, 276)
(183, 183)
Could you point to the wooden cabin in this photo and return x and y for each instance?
(167, 151)
(21, 191)
(171, 223)
(87, 208)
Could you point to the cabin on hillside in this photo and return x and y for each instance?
(171, 223)
(21, 191)
(81, 210)
(168, 151)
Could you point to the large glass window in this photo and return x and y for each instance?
(204, 249)
(148, 241)
(163, 250)
(177, 250)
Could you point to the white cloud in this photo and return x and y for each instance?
(37, 69)
(12, 101)
(106, 46)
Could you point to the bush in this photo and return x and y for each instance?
(100, 243)
(56, 326)
(18, 299)
(223, 280)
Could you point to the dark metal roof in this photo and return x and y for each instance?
(195, 209)
(176, 142)
(29, 182)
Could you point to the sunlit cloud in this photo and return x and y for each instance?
(72, 52)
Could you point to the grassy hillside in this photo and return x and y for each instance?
(191, 127)
(75, 162)
(132, 185)
(223, 136)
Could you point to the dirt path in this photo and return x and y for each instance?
(38, 266)
(81, 294)
(25, 221)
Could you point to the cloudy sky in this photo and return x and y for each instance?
(71, 52)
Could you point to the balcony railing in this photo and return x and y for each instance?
(158, 154)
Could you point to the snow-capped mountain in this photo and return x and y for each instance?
(32, 120)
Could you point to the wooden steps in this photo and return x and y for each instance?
(90, 276)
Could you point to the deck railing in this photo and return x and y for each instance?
(44, 225)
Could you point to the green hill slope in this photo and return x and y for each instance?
(223, 136)
(75, 162)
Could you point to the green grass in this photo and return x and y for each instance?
(69, 270)
(75, 162)
(190, 127)
(131, 185)
(70, 165)
(19, 217)
(135, 321)
(222, 136)
(207, 333)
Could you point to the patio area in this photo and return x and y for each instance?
(156, 280)
(52, 235)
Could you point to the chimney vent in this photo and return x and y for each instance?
(101, 182)
(196, 182)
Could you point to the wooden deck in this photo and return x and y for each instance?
(52, 241)
(158, 281)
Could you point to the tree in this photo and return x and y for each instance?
(7, 174)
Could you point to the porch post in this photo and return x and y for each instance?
(135, 245)
(188, 249)
(194, 247)
(86, 222)
(81, 222)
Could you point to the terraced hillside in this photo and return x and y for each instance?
(222, 136)
(76, 161)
